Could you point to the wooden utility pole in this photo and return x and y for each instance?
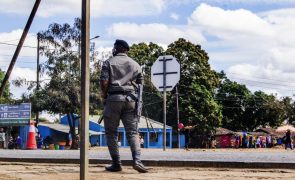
(84, 162)
(19, 46)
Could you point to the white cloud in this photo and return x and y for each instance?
(174, 16)
(223, 23)
(157, 33)
(111, 8)
(7, 50)
(15, 6)
(282, 21)
(27, 73)
(26, 63)
(267, 78)
(239, 2)
(259, 45)
(254, 45)
(17, 73)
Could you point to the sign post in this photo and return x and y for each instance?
(15, 115)
(165, 75)
(177, 116)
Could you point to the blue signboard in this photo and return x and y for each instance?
(15, 114)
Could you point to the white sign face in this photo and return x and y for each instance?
(165, 71)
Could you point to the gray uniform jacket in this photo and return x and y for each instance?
(120, 70)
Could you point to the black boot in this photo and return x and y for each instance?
(139, 167)
(114, 167)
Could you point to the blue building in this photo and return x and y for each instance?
(60, 132)
(153, 137)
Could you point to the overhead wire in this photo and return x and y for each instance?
(11, 40)
(24, 56)
(9, 44)
(268, 83)
(244, 75)
(27, 46)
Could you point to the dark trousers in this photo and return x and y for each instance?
(113, 112)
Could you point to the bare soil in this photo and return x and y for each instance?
(31, 171)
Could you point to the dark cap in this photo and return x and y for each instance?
(122, 43)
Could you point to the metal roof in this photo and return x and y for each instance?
(223, 131)
(66, 128)
(142, 123)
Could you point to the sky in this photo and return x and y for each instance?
(251, 40)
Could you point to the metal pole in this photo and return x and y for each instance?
(177, 117)
(19, 46)
(164, 103)
(38, 71)
(84, 161)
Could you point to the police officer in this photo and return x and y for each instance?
(118, 76)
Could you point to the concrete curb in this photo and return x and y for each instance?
(214, 164)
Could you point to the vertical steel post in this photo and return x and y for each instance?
(38, 61)
(19, 46)
(84, 161)
(38, 72)
(177, 117)
(164, 103)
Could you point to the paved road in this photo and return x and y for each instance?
(171, 157)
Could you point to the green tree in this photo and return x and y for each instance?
(6, 96)
(289, 109)
(146, 55)
(197, 84)
(271, 112)
(60, 44)
(243, 110)
(233, 97)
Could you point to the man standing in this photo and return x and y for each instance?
(288, 141)
(118, 80)
(2, 138)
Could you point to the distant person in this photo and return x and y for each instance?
(254, 142)
(39, 141)
(250, 142)
(213, 142)
(258, 142)
(70, 139)
(141, 142)
(288, 141)
(11, 143)
(237, 142)
(2, 138)
(19, 142)
(187, 133)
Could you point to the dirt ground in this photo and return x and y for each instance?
(30, 171)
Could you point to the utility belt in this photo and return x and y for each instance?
(120, 92)
(130, 95)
